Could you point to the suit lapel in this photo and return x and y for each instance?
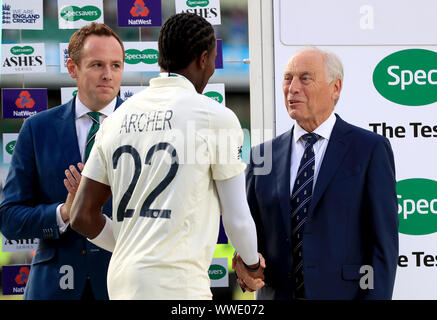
(119, 102)
(335, 152)
(65, 128)
(281, 155)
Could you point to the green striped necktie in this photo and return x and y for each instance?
(94, 116)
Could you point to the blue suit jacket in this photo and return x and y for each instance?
(46, 146)
(352, 220)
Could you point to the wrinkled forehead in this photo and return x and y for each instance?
(308, 61)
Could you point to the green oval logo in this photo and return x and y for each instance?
(148, 56)
(215, 96)
(417, 209)
(216, 272)
(132, 56)
(87, 13)
(10, 147)
(197, 3)
(17, 50)
(408, 77)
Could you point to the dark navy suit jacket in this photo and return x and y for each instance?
(352, 220)
(46, 146)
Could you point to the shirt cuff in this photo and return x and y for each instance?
(61, 224)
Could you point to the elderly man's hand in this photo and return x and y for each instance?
(248, 279)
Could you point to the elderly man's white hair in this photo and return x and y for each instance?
(333, 65)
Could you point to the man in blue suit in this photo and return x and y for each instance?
(326, 214)
(36, 204)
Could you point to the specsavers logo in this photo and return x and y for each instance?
(87, 13)
(216, 272)
(408, 77)
(197, 3)
(417, 206)
(17, 50)
(215, 96)
(10, 147)
(147, 56)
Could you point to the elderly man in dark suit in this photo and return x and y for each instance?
(36, 204)
(326, 214)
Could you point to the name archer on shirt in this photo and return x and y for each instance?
(147, 121)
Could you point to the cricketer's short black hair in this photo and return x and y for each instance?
(183, 38)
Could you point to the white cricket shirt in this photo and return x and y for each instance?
(160, 152)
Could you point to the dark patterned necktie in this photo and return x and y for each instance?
(94, 116)
(300, 203)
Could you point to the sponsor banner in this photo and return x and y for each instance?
(63, 57)
(128, 91)
(9, 141)
(218, 272)
(208, 9)
(23, 103)
(19, 245)
(408, 77)
(139, 13)
(219, 58)
(371, 22)
(141, 56)
(74, 14)
(15, 279)
(215, 91)
(23, 58)
(22, 14)
(68, 93)
(417, 207)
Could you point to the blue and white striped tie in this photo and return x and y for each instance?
(300, 203)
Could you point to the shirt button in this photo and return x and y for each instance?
(83, 252)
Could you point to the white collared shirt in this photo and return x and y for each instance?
(298, 147)
(172, 74)
(83, 125)
(84, 122)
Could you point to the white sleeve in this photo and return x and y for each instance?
(237, 220)
(61, 224)
(105, 239)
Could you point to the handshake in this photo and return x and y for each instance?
(250, 278)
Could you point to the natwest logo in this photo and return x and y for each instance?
(22, 276)
(408, 77)
(25, 100)
(139, 9)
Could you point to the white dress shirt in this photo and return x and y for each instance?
(83, 125)
(298, 147)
